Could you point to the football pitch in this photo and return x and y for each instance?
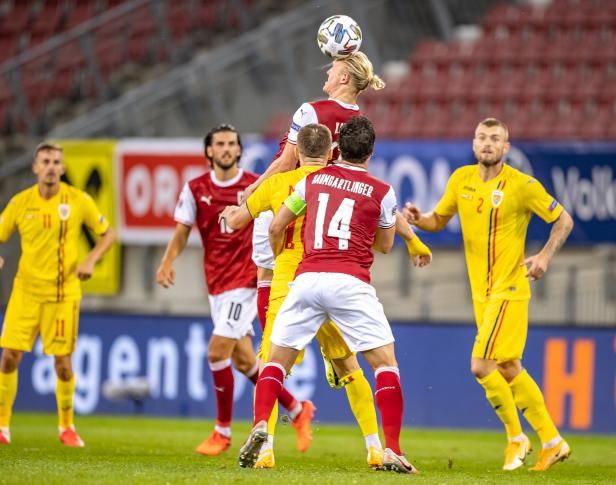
(146, 450)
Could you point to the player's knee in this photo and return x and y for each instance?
(64, 370)
(479, 369)
(10, 360)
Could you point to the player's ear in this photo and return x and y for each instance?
(208, 152)
(506, 147)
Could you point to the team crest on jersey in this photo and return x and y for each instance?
(497, 197)
(240, 196)
(65, 211)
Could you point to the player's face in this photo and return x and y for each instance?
(335, 75)
(490, 144)
(48, 167)
(225, 150)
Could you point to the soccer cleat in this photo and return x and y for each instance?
(516, 452)
(266, 458)
(397, 463)
(550, 456)
(214, 445)
(301, 423)
(5, 436)
(69, 437)
(249, 453)
(375, 458)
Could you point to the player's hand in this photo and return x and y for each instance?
(226, 212)
(85, 269)
(421, 261)
(1, 262)
(411, 213)
(165, 274)
(536, 265)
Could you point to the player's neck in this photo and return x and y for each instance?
(363, 165)
(344, 96)
(48, 191)
(312, 162)
(488, 173)
(222, 175)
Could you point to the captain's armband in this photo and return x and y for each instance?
(295, 204)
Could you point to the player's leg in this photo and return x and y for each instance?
(59, 328)
(19, 330)
(526, 392)
(494, 320)
(263, 258)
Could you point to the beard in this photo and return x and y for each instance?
(489, 160)
(225, 164)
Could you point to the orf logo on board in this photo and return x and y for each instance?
(65, 211)
(497, 197)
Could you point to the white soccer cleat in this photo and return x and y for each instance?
(516, 452)
(249, 453)
(397, 463)
(5, 436)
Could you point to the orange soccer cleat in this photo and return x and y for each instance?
(214, 445)
(69, 437)
(301, 423)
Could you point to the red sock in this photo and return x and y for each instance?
(268, 389)
(263, 293)
(253, 374)
(391, 405)
(223, 383)
(285, 398)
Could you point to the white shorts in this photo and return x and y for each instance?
(350, 303)
(233, 312)
(262, 254)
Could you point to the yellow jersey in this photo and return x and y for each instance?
(49, 231)
(494, 216)
(270, 195)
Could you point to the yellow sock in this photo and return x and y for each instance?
(529, 400)
(8, 391)
(361, 401)
(500, 397)
(271, 422)
(65, 391)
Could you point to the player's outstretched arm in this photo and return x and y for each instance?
(236, 217)
(277, 228)
(85, 269)
(431, 221)
(420, 253)
(165, 274)
(537, 265)
(384, 239)
(285, 162)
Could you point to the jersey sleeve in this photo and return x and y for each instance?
(448, 205)
(92, 216)
(538, 201)
(8, 220)
(186, 208)
(389, 207)
(304, 115)
(296, 202)
(260, 200)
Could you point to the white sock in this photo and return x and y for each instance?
(552, 443)
(223, 430)
(296, 410)
(270, 440)
(517, 439)
(372, 440)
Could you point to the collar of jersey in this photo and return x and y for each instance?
(345, 105)
(350, 167)
(226, 183)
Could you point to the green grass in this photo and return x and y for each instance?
(145, 450)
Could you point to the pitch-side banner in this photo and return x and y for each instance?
(575, 368)
(579, 175)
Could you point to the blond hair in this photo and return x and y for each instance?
(47, 145)
(361, 71)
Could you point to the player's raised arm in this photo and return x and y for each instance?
(165, 274)
(236, 217)
(286, 161)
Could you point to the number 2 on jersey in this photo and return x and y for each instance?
(339, 224)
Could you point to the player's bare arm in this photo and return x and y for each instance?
(430, 221)
(165, 274)
(538, 264)
(236, 217)
(286, 161)
(420, 253)
(277, 228)
(384, 239)
(85, 269)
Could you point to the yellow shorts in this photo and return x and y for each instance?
(25, 317)
(502, 326)
(329, 337)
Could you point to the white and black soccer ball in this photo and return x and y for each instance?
(339, 36)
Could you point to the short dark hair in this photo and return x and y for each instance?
(356, 140)
(490, 122)
(47, 145)
(314, 140)
(207, 139)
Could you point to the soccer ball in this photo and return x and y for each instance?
(339, 36)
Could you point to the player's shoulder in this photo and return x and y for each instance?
(517, 176)
(73, 194)
(24, 195)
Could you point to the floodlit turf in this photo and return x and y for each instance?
(144, 450)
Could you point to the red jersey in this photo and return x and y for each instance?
(329, 112)
(227, 253)
(344, 207)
